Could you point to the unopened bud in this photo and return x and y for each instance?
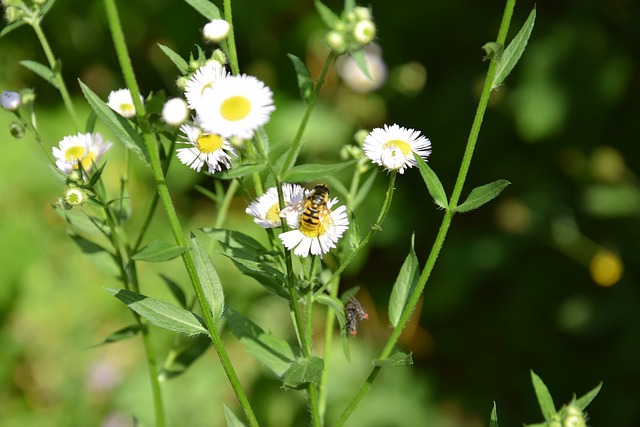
(216, 30)
(175, 112)
(10, 100)
(364, 32)
(219, 56)
(336, 41)
(16, 130)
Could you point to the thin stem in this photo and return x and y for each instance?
(231, 39)
(165, 199)
(226, 202)
(374, 228)
(297, 140)
(35, 24)
(446, 221)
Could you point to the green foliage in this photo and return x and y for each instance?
(205, 8)
(432, 182)
(512, 53)
(181, 64)
(158, 251)
(305, 82)
(481, 195)
(303, 371)
(396, 359)
(404, 286)
(42, 70)
(209, 280)
(311, 172)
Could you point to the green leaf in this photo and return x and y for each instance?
(17, 24)
(396, 359)
(231, 418)
(209, 279)
(158, 251)
(275, 353)
(269, 277)
(363, 191)
(161, 313)
(493, 422)
(42, 70)
(585, 400)
(175, 290)
(120, 126)
(184, 352)
(360, 58)
(483, 194)
(181, 64)
(235, 239)
(545, 400)
(329, 18)
(305, 82)
(303, 371)
(99, 256)
(312, 172)
(241, 170)
(121, 334)
(513, 52)
(433, 182)
(335, 305)
(404, 285)
(205, 8)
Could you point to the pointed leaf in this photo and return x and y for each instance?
(329, 18)
(513, 52)
(208, 278)
(231, 418)
(545, 400)
(404, 285)
(121, 334)
(483, 194)
(493, 422)
(360, 58)
(584, 401)
(42, 70)
(183, 354)
(158, 251)
(120, 126)
(205, 8)
(235, 239)
(335, 305)
(275, 353)
(396, 359)
(241, 170)
(10, 27)
(303, 371)
(161, 313)
(312, 172)
(433, 183)
(305, 82)
(181, 64)
(175, 290)
(269, 277)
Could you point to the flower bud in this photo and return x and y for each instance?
(16, 130)
(175, 112)
(216, 30)
(360, 135)
(10, 100)
(336, 41)
(364, 32)
(181, 83)
(219, 56)
(74, 197)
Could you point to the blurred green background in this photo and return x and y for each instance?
(543, 278)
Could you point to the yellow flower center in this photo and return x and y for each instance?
(208, 143)
(87, 162)
(401, 145)
(77, 154)
(273, 214)
(128, 110)
(235, 108)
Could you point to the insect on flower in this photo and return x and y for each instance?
(354, 313)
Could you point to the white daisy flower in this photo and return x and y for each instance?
(121, 102)
(209, 148)
(84, 148)
(320, 239)
(265, 210)
(175, 111)
(216, 30)
(201, 81)
(236, 106)
(393, 147)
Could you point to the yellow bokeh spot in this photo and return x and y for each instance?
(208, 143)
(235, 108)
(606, 268)
(404, 146)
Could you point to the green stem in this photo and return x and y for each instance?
(223, 209)
(165, 199)
(446, 221)
(297, 140)
(377, 226)
(231, 39)
(35, 24)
